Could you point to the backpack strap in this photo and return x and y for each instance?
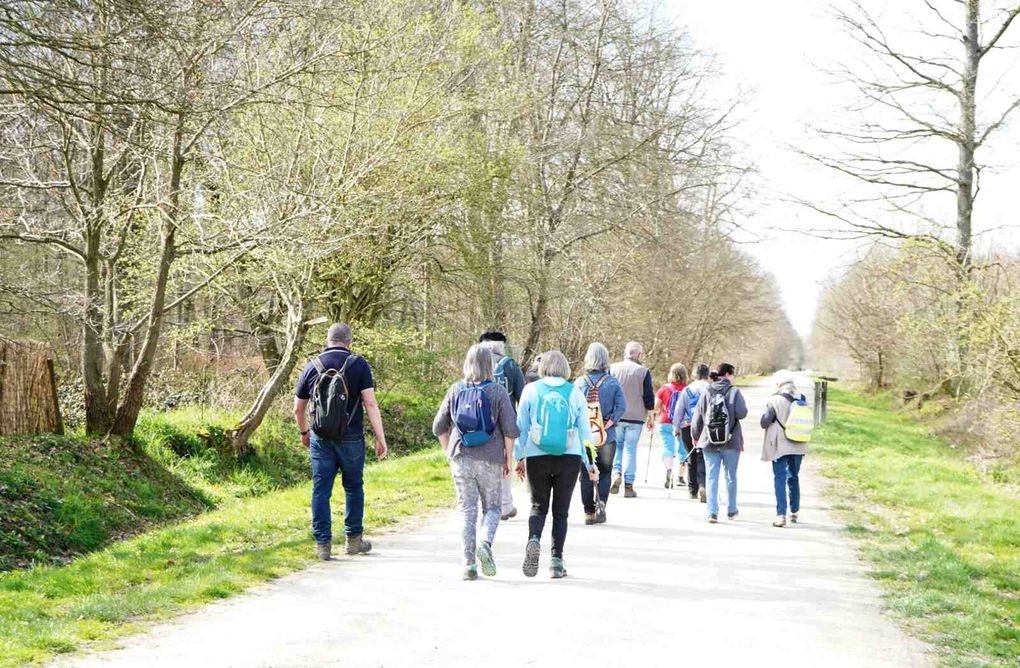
(789, 398)
(319, 366)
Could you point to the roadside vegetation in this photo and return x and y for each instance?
(50, 610)
(943, 536)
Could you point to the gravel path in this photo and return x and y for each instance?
(655, 586)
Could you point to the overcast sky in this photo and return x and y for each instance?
(775, 50)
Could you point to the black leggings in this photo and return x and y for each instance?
(695, 463)
(604, 462)
(551, 476)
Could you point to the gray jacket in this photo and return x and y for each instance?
(503, 415)
(777, 411)
(737, 409)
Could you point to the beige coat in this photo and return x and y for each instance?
(776, 444)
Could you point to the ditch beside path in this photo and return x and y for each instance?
(654, 586)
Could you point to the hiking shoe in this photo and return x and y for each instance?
(324, 551)
(509, 516)
(589, 519)
(732, 516)
(471, 572)
(531, 554)
(484, 554)
(669, 479)
(694, 496)
(680, 480)
(793, 518)
(780, 521)
(712, 519)
(628, 491)
(615, 487)
(358, 545)
(600, 513)
(703, 495)
(557, 569)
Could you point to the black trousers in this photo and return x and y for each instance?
(695, 463)
(552, 479)
(604, 463)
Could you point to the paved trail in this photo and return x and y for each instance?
(655, 586)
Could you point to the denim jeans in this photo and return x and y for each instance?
(348, 457)
(786, 471)
(627, 436)
(714, 461)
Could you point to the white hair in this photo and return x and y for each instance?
(478, 364)
(783, 377)
(597, 358)
(554, 363)
(497, 347)
(633, 350)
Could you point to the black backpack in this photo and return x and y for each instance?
(719, 422)
(329, 400)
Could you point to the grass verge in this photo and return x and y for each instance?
(944, 542)
(49, 610)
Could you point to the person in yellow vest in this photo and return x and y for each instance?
(787, 422)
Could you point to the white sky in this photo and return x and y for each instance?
(774, 50)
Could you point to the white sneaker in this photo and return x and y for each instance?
(780, 521)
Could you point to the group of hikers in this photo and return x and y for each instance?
(497, 420)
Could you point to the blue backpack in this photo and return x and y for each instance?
(674, 399)
(551, 428)
(472, 413)
(499, 373)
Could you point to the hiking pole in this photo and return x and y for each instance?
(648, 462)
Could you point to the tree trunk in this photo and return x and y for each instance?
(296, 330)
(967, 142)
(966, 146)
(134, 395)
(540, 313)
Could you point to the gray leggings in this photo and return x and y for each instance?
(477, 481)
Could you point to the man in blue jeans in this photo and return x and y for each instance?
(347, 455)
(636, 381)
(718, 455)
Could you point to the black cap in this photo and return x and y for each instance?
(492, 336)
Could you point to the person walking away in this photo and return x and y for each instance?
(477, 425)
(665, 402)
(606, 405)
(507, 373)
(532, 374)
(334, 391)
(553, 420)
(715, 427)
(683, 410)
(787, 422)
(639, 393)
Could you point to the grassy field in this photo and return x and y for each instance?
(50, 610)
(944, 542)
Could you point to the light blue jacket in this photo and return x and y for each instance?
(524, 448)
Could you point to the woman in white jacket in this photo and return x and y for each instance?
(785, 455)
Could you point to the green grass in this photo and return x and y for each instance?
(944, 541)
(49, 610)
(64, 496)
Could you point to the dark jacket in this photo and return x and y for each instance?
(737, 410)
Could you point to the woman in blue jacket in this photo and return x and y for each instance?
(596, 382)
(553, 419)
